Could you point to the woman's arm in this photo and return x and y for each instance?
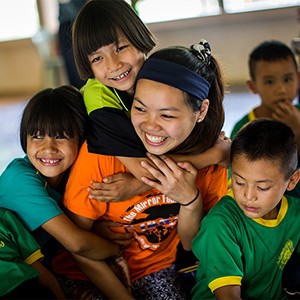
(178, 181)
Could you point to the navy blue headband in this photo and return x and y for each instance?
(176, 76)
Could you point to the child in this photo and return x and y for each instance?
(52, 129)
(23, 276)
(247, 238)
(110, 44)
(186, 118)
(275, 78)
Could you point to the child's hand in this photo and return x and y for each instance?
(84, 291)
(105, 230)
(176, 180)
(222, 150)
(123, 271)
(117, 187)
(287, 113)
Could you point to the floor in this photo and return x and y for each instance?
(236, 104)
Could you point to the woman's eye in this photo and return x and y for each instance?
(168, 116)
(139, 109)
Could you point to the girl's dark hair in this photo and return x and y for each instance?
(54, 111)
(99, 24)
(267, 139)
(269, 51)
(205, 133)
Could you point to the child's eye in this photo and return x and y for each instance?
(263, 189)
(120, 48)
(61, 136)
(269, 82)
(96, 59)
(37, 136)
(288, 79)
(239, 183)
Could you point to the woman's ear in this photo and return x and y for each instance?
(251, 86)
(203, 110)
(293, 180)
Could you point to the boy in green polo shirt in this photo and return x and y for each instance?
(248, 236)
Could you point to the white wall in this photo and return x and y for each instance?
(232, 37)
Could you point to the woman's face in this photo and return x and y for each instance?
(161, 117)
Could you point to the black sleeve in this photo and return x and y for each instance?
(111, 133)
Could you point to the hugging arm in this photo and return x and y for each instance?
(121, 186)
(178, 181)
(98, 271)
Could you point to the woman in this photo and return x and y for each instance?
(177, 109)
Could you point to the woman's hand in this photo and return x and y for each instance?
(105, 229)
(176, 180)
(117, 187)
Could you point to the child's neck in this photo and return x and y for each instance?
(263, 112)
(272, 215)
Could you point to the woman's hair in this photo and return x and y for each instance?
(205, 133)
(54, 112)
(99, 24)
(267, 139)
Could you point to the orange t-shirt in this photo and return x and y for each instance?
(151, 216)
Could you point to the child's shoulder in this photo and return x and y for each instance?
(241, 122)
(97, 95)
(19, 173)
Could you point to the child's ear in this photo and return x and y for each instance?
(251, 86)
(293, 180)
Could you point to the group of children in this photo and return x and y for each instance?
(117, 176)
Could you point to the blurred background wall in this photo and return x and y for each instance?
(28, 65)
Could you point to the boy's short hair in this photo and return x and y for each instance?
(99, 24)
(267, 139)
(54, 112)
(269, 51)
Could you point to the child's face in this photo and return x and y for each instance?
(52, 156)
(117, 66)
(258, 186)
(275, 82)
(161, 117)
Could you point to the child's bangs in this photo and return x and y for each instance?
(100, 35)
(55, 122)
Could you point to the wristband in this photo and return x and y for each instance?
(186, 204)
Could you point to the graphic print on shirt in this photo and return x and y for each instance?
(151, 220)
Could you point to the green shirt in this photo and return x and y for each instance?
(235, 250)
(111, 131)
(18, 250)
